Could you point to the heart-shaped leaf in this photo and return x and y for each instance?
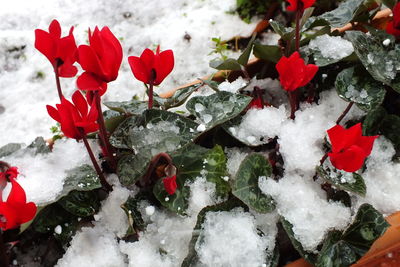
(245, 185)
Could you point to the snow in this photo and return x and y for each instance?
(259, 125)
(150, 210)
(237, 231)
(235, 156)
(111, 216)
(313, 216)
(301, 140)
(234, 86)
(155, 22)
(169, 233)
(333, 47)
(48, 169)
(99, 246)
(58, 229)
(381, 178)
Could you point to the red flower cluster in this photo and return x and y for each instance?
(393, 27)
(294, 73)
(101, 60)
(76, 119)
(349, 147)
(61, 52)
(170, 184)
(15, 211)
(301, 5)
(150, 67)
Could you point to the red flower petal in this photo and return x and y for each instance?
(292, 5)
(349, 160)
(80, 103)
(55, 29)
(53, 113)
(163, 65)
(89, 60)
(45, 44)
(12, 173)
(341, 138)
(17, 193)
(26, 213)
(170, 184)
(366, 143)
(139, 70)
(89, 82)
(67, 70)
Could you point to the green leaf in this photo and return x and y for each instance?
(112, 119)
(350, 182)
(228, 64)
(132, 167)
(192, 162)
(217, 108)
(390, 129)
(131, 208)
(314, 49)
(345, 249)
(82, 178)
(389, 3)
(81, 203)
(154, 132)
(132, 107)
(288, 227)
(336, 252)
(344, 14)
(178, 98)
(373, 121)
(270, 53)
(192, 259)
(381, 61)
(244, 57)
(285, 33)
(39, 146)
(52, 216)
(245, 185)
(9, 149)
(356, 85)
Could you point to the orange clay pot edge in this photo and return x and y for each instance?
(381, 14)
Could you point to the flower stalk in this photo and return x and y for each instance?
(57, 76)
(103, 180)
(103, 133)
(348, 108)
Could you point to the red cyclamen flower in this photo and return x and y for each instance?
(101, 60)
(301, 5)
(61, 52)
(170, 184)
(294, 73)
(349, 147)
(15, 211)
(256, 103)
(150, 67)
(393, 27)
(75, 117)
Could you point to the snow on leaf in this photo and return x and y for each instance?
(217, 108)
(193, 162)
(245, 185)
(356, 85)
